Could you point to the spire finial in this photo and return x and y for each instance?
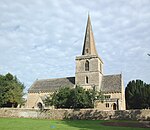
(88, 14)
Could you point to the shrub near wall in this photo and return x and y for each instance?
(91, 114)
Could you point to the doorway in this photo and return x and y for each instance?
(114, 106)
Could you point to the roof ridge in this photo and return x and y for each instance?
(113, 74)
(54, 78)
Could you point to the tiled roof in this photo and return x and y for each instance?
(111, 83)
(51, 85)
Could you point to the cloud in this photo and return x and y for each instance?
(40, 39)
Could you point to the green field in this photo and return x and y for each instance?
(45, 124)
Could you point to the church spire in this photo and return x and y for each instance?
(89, 43)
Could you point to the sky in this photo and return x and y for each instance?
(39, 39)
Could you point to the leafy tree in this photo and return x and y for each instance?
(61, 98)
(137, 94)
(9, 77)
(48, 100)
(11, 91)
(79, 98)
(72, 98)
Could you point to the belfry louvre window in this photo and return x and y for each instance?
(87, 66)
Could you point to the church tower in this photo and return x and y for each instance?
(89, 66)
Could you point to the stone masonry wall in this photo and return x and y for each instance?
(93, 114)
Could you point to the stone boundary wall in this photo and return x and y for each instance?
(59, 114)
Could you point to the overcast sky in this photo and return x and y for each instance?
(40, 39)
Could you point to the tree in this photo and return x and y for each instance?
(72, 98)
(60, 99)
(137, 94)
(11, 91)
(79, 98)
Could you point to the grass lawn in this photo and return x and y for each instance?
(45, 124)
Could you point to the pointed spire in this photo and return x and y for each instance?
(89, 43)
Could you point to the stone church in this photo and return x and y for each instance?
(89, 75)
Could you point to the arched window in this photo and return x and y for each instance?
(39, 105)
(87, 66)
(86, 80)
